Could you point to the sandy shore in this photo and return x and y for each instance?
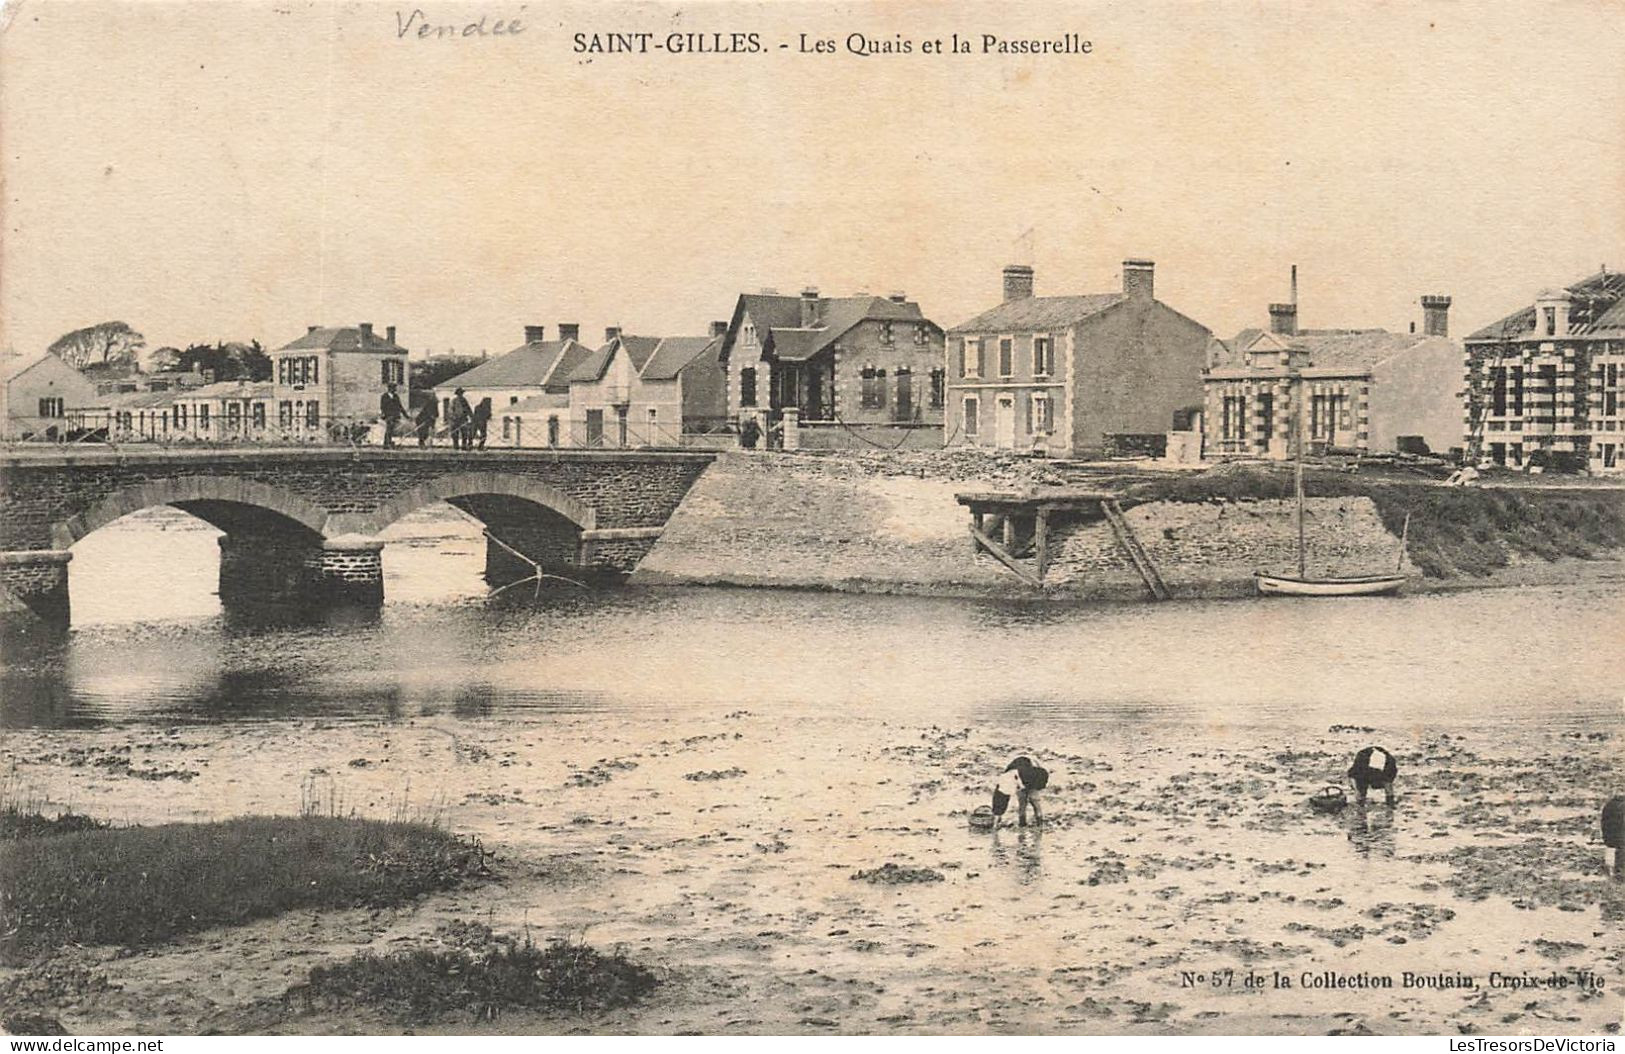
(1178, 859)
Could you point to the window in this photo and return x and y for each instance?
(747, 386)
(1234, 424)
(513, 400)
(553, 431)
(654, 422)
(1551, 321)
(1043, 414)
(51, 406)
(393, 370)
(970, 357)
(920, 334)
(124, 420)
(259, 415)
(873, 396)
(1007, 356)
(1323, 414)
(971, 415)
(507, 428)
(180, 415)
(284, 413)
(903, 405)
(313, 414)
(234, 415)
(938, 384)
(886, 336)
(203, 415)
(1043, 356)
(282, 371)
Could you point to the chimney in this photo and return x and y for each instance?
(611, 333)
(366, 333)
(1137, 278)
(535, 334)
(310, 329)
(1284, 319)
(809, 307)
(569, 331)
(1018, 282)
(1294, 283)
(898, 297)
(389, 334)
(1436, 316)
(719, 328)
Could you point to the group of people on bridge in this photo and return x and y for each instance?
(467, 425)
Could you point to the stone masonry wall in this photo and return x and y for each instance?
(625, 491)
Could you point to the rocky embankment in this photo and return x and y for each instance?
(889, 523)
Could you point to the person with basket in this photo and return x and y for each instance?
(1023, 781)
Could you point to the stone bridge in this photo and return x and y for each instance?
(303, 523)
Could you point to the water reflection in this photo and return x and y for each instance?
(440, 646)
(1370, 829)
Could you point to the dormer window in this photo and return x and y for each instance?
(1551, 321)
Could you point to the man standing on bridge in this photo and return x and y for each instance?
(392, 410)
(461, 420)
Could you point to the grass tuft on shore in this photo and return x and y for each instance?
(138, 886)
(480, 972)
(18, 823)
(1454, 531)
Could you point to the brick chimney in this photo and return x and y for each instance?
(535, 334)
(570, 331)
(809, 307)
(898, 297)
(1138, 279)
(366, 333)
(1018, 282)
(310, 329)
(1436, 316)
(389, 334)
(611, 333)
(719, 328)
(1284, 319)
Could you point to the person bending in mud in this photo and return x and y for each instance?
(1021, 780)
(1374, 767)
(1613, 831)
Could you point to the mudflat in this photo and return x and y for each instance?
(744, 856)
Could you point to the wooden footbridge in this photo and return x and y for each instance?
(1013, 526)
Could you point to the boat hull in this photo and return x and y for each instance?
(1364, 586)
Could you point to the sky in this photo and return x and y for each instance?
(234, 170)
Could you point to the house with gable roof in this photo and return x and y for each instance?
(1073, 375)
(1345, 389)
(648, 391)
(37, 394)
(532, 379)
(835, 361)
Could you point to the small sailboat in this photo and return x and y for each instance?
(1302, 584)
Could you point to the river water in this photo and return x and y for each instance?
(702, 775)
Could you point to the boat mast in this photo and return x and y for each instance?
(1298, 470)
(1298, 480)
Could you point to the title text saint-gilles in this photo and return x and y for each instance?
(642, 43)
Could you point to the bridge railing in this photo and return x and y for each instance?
(158, 431)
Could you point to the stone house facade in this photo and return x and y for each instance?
(1072, 375)
(38, 394)
(1550, 378)
(331, 380)
(834, 361)
(1355, 389)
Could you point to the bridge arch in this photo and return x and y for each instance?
(183, 490)
(467, 484)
